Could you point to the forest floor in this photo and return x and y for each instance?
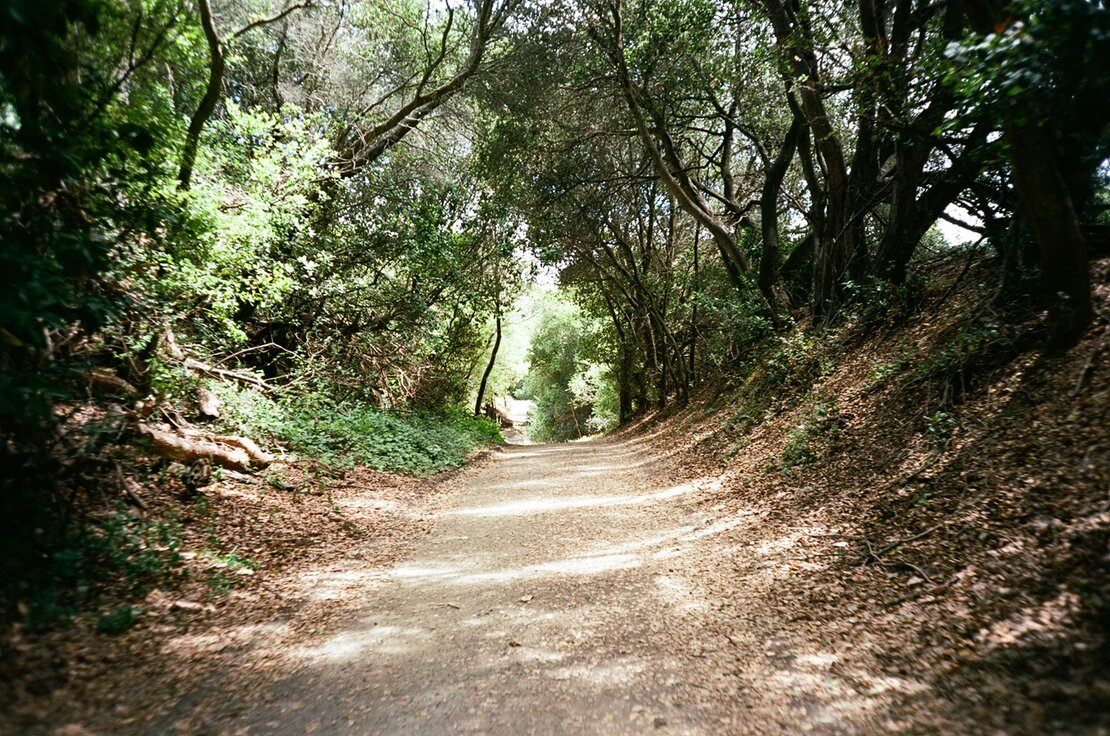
(581, 588)
(563, 589)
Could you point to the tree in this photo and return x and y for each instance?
(214, 89)
(678, 32)
(430, 83)
(1041, 67)
(80, 144)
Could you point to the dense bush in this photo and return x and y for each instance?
(574, 392)
(420, 443)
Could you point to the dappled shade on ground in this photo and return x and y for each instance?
(562, 591)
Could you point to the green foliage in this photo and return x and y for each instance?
(228, 571)
(554, 362)
(243, 238)
(1043, 49)
(965, 348)
(594, 387)
(74, 191)
(671, 29)
(789, 358)
(118, 620)
(121, 553)
(815, 438)
(366, 288)
(876, 301)
(884, 370)
(732, 325)
(371, 287)
(796, 450)
(939, 427)
(511, 368)
(345, 433)
(232, 561)
(220, 583)
(970, 342)
(85, 137)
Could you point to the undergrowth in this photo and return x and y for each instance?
(348, 434)
(815, 438)
(119, 555)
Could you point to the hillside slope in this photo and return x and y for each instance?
(928, 497)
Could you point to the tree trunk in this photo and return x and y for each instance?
(1060, 240)
(489, 366)
(1039, 179)
(624, 384)
(834, 239)
(208, 102)
(667, 162)
(769, 220)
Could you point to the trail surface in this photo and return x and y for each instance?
(549, 599)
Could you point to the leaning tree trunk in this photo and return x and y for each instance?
(213, 88)
(208, 102)
(489, 366)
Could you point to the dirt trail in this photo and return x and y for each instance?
(550, 598)
(568, 589)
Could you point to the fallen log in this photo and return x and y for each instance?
(106, 383)
(233, 453)
(174, 351)
(247, 445)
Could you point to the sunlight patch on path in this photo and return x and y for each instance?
(545, 504)
(613, 674)
(249, 636)
(351, 646)
(326, 585)
(573, 566)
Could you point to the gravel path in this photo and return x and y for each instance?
(550, 599)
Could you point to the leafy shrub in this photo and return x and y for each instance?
(790, 357)
(883, 371)
(118, 620)
(973, 340)
(797, 450)
(420, 443)
(876, 300)
(220, 583)
(949, 363)
(594, 387)
(818, 436)
(939, 427)
(555, 359)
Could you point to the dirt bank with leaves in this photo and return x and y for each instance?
(924, 511)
